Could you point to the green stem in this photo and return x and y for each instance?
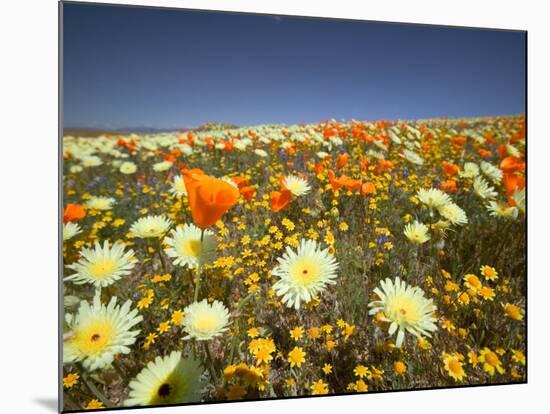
(234, 341)
(198, 284)
(210, 362)
(245, 301)
(94, 390)
(159, 251)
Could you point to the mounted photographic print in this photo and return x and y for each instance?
(258, 207)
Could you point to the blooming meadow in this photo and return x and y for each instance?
(274, 261)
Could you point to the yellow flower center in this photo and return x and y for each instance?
(102, 268)
(94, 338)
(474, 282)
(294, 186)
(455, 367)
(180, 186)
(489, 272)
(190, 248)
(304, 271)
(403, 309)
(491, 359)
(206, 323)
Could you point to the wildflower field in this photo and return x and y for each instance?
(230, 263)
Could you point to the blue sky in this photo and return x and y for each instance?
(142, 67)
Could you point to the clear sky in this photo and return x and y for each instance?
(164, 68)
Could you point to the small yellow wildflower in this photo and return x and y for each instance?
(296, 357)
(70, 380)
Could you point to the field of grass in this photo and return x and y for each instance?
(275, 261)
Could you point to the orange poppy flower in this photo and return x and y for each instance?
(343, 181)
(342, 160)
(449, 168)
(513, 182)
(280, 199)
(383, 165)
(209, 198)
(460, 140)
(73, 212)
(318, 167)
(448, 186)
(512, 165)
(368, 188)
(228, 146)
(169, 157)
(502, 150)
(334, 182)
(247, 192)
(240, 181)
(484, 153)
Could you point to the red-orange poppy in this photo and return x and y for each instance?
(368, 188)
(343, 181)
(240, 181)
(280, 199)
(228, 146)
(342, 160)
(248, 192)
(383, 165)
(169, 157)
(513, 182)
(449, 168)
(502, 150)
(512, 165)
(448, 186)
(484, 153)
(209, 198)
(460, 140)
(73, 212)
(318, 167)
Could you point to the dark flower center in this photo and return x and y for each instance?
(95, 337)
(164, 390)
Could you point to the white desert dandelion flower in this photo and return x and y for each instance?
(75, 169)
(405, 308)
(413, 157)
(100, 203)
(494, 173)
(150, 226)
(304, 273)
(519, 197)
(260, 153)
(162, 166)
(204, 321)
(91, 161)
(483, 189)
(167, 380)
(187, 249)
(470, 170)
(502, 210)
(70, 230)
(100, 332)
(433, 197)
(128, 167)
(178, 187)
(453, 214)
(102, 265)
(298, 186)
(417, 232)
